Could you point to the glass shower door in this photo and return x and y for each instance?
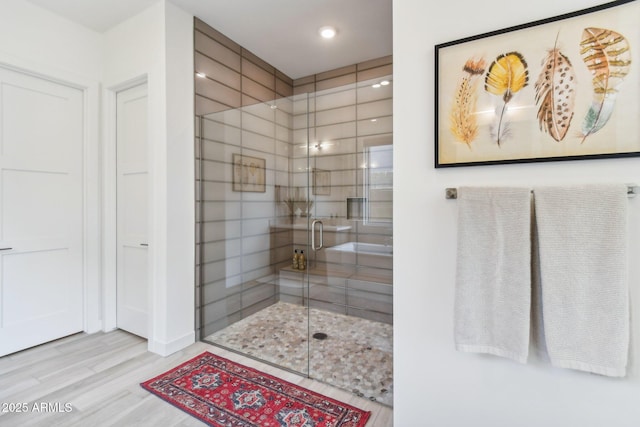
(251, 300)
(350, 268)
(310, 174)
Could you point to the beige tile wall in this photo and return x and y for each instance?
(344, 105)
(347, 115)
(238, 253)
(235, 250)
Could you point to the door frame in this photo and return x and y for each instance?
(109, 212)
(91, 203)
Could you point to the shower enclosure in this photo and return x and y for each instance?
(309, 174)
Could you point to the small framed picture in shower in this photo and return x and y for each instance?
(321, 182)
(249, 174)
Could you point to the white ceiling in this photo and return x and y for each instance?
(282, 32)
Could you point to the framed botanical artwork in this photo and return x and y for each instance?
(321, 182)
(562, 88)
(249, 174)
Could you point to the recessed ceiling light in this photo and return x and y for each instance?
(201, 75)
(375, 86)
(327, 32)
(384, 82)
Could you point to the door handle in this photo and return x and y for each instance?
(5, 249)
(313, 235)
(144, 244)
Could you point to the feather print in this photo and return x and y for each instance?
(607, 56)
(507, 75)
(464, 124)
(555, 94)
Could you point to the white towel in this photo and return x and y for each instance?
(583, 263)
(537, 345)
(493, 271)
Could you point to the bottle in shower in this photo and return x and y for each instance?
(295, 260)
(302, 261)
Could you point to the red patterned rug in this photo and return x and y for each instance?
(223, 393)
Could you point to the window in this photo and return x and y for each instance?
(378, 180)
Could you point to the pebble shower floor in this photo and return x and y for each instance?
(357, 354)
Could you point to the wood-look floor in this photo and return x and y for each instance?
(93, 380)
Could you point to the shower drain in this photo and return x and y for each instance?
(320, 335)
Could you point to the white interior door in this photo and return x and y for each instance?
(41, 219)
(132, 243)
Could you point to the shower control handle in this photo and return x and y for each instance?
(313, 235)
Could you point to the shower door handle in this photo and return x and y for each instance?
(313, 235)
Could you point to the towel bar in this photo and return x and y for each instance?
(452, 193)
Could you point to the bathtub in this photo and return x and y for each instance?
(361, 254)
(364, 248)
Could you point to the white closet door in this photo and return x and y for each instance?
(132, 246)
(41, 265)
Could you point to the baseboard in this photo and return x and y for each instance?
(167, 348)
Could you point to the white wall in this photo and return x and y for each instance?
(157, 46)
(43, 39)
(434, 384)
(179, 204)
(37, 41)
